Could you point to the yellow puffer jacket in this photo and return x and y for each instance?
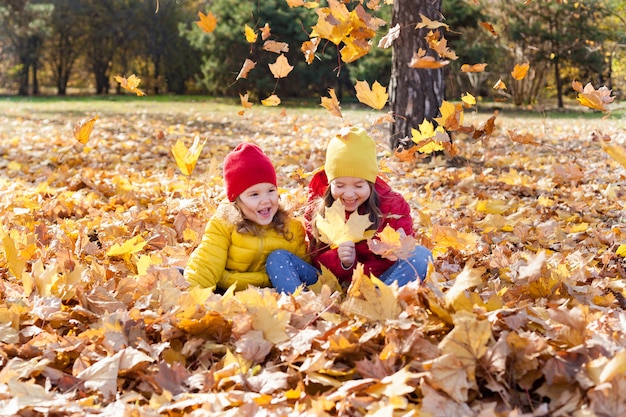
(226, 257)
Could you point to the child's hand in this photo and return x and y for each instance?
(346, 253)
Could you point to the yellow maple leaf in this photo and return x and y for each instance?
(519, 71)
(332, 104)
(83, 130)
(131, 83)
(281, 67)
(335, 229)
(132, 245)
(354, 49)
(616, 152)
(468, 100)
(207, 22)
(376, 97)
(371, 298)
(250, 34)
(469, 277)
(271, 101)
(451, 115)
(186, 159)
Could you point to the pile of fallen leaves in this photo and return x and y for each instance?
(522, 313)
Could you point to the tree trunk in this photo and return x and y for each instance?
(415, 94)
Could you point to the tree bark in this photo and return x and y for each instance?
(415, 94)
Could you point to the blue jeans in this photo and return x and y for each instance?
(405, 271)
(287, 271)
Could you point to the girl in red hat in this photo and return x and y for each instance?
(242, 233)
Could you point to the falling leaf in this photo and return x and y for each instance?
(451, 115)
(250, 34)
(592, 98)
(427, 62)
(473, 68)
(523, 138)
(309, 48)
(266, 32)
(131, 83)
(387, 40)
(271, 101)
(616, 152)
(186, 159)
(332, 104)
(376, 97)
(248, 65)
(82, 130)
(334, 229)
(244, 101)
(276, 47)
(499, 85)
(468, 100)
(207, 22)
(430, 24)
(519, 71)
(489, 27)
(281, 67)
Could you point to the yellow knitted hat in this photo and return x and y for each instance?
(351, 153)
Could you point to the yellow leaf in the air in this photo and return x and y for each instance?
(376, 97)
(334, 229)
(592, 98)
(207, 22)
(271, 101)
(616, 152)
(332, 104)
(83, 130)
(468, 100)
(281, 67)
(186, 159)
(251, 35)
(519, 71)
(131, 83)
(499, 85)
(451, 115)
(132, 245)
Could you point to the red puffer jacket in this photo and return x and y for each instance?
(396, 213)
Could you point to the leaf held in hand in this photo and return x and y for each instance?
(334, 229)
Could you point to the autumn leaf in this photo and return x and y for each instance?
(332, 104)
(371, 298)
(281, 67)
(82, 130)
(309, 48)
(499, 85)
(519, 71)
(376, 97)
(524, 138)
(426, 61)
(387, 40)
(489, 27)
(592, 98)
(473, 68)
(616, 152)
(186, 159)
(451, 115)
(271, 101)
(276, 47)
(468, 100)
(247, 66)
(392, 244)
(244, 103)
(266, 32)
(469, 277)
(335, 229)
(250, 34)
(130, 246)
(131, 83)
(207, 22)
(430, 24)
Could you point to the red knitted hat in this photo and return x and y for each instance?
(245, 166)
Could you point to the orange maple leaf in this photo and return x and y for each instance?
(131, 83)
(392, 244)
(376, 97)
(421, 60)
(499, 85)
(266, 32)
(309, 48)
(83, 130)
(332, 104)
(519, 71)
(207, 22)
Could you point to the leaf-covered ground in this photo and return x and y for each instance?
(523, 313)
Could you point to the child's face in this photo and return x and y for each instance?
(259, 203)
(352, 191)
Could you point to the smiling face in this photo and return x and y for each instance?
(259, 203)
(352, 191)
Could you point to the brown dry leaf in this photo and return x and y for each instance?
(266, 32)
(430, 24)
(276, 47)
(332, 103)
(524, 138)
(247, 66)
(387, 40)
